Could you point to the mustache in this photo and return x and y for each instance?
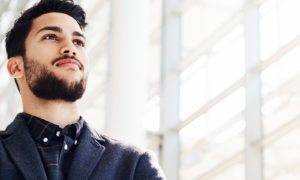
(67, 57)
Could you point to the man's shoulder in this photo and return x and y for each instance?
(1, 133)
(112, 145)
(121, 146)
(144, 161)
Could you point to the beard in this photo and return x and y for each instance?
(45, 85)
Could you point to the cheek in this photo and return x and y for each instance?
(87, 63)
(29, 48)
(42, 52)
(84, 60)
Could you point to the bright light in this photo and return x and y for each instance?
(193, 68)
(151, 103)
(231, 132)
(226, 109)
(194, 131)
(228, 39)
(271, 106)
(152, 119)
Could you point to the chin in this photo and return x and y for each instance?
(70, 76)
(72, 80)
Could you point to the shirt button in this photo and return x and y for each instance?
(57, 133)
(45, 139)
(75, 142)
(66, 147)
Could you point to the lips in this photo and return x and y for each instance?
(68, 63)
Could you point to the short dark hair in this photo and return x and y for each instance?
(16, 37)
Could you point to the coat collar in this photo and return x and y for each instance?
(21, 148)
(87, 155)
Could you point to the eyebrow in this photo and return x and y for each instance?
(76, 33)
(51, 28)
(59, 30)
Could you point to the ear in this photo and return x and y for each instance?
(15, 67)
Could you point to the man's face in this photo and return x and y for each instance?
(56, 63)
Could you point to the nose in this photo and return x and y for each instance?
(68, 49)
(68, 52)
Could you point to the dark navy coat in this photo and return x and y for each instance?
(96, 157)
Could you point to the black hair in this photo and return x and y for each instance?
(16, 37)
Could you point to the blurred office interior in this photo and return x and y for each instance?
(211, 86)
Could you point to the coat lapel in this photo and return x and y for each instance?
(21, 148)
(87, 155)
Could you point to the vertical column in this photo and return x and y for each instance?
(254, 165)
(171, 55)
(129, 46)
(77, 2)
(12, 90)
(3, 59)
(1, 62)
(11, 101)
(3, 6)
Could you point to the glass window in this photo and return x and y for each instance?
(281, 159)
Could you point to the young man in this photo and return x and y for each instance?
(50, 140)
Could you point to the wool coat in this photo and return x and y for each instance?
(97, 157)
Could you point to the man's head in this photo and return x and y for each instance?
(46, 50)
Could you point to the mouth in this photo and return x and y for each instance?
(68, 63)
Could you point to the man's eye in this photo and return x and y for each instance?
(78, 43)
(50, 37)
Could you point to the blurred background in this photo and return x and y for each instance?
(211, 86)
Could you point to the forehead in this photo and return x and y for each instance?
(64, 21)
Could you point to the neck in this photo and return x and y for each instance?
(57, 112)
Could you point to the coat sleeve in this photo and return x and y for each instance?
(148, 168)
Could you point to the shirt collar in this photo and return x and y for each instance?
(44, 131)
